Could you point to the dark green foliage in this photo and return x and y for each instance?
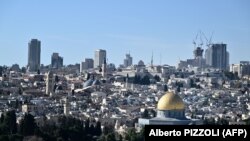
(145, 80)
(110, 137)
(178, 88)
(10, 122)
(145, 114)
(56, 79)
(157, 78)
(67, 129)
(137, 79)
(231, 75)
(86, 125)
(38, 72)
(247, 121)
(28, 125)
(20, 91)
(23, 70)
(165, 88)
(98, 129)
(88, 76)
(4, 138)
(153, 113)
(108, 129)
(1, 119)
(131, 135)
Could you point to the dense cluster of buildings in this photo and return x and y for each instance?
(154, 94)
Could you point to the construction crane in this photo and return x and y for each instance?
(194, 41)
(201, 41)
(208, 42)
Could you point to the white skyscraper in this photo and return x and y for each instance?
(100, 55)
(34, 53)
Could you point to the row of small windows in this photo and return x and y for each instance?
(171, 114)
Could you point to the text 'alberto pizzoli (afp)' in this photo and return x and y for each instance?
(163, 132)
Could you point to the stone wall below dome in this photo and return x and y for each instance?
(177, 114)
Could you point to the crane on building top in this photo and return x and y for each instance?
(208, 42)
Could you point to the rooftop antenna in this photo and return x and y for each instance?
(152, 58)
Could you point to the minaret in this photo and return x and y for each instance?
(104, 68)
(117, 125)
(126, 83)
(50, 83)
(66, 106)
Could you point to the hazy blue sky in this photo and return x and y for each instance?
(75, 29)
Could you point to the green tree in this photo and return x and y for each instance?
(56, 79)
(192, 84)
(137, 79)
(108, 129)
(120, 138)
(92, 129)
(153, 112)
(165, 88)
(23, 70)
(20, 91)
(178, 88)
(145, 80)
(145, 114)
(38, 71)
(157, 78)
(10, 122)
(2, 118)
(98, 128)
(131, 135)
(28, 125)
(110, 137)
(87, 126)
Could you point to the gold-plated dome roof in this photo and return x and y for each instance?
(170, 101)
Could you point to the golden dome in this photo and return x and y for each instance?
(170, 101)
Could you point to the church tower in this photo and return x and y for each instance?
(50, 83)
(66, 106)
(104, 68)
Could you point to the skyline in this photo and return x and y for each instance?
(75, 30)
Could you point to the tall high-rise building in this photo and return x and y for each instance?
(34, 55)
(100, 55)
(208, 56)
(87, 64)
(217, 56)
(56, 61)
(128, 61)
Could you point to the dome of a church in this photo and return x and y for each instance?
(170, 101)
